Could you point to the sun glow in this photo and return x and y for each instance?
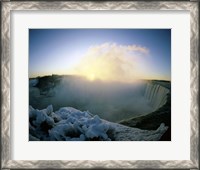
(91, 76)
(109, 62)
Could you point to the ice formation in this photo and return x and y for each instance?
(70, 124)
(156, 95)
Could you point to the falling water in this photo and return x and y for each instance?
(156, 95)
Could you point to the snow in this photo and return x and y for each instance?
(70, 124)
(124, 133)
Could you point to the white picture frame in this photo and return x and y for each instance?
(6, 60)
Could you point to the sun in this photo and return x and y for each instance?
(91, 76)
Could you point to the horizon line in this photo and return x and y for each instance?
(32, 77)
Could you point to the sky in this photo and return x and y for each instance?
(105, 54)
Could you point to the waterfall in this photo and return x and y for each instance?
(156, 95)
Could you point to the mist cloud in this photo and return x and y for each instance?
(110, 100)
(110, 61)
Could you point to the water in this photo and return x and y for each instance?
(113, 101)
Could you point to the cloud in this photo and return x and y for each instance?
(134, 48)
(112, 62)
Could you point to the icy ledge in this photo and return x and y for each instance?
(69, 124)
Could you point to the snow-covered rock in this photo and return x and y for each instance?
(70, 124)
(125, 133)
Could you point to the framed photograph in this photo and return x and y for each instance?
(110, 84)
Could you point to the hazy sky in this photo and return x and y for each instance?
(107, 54)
